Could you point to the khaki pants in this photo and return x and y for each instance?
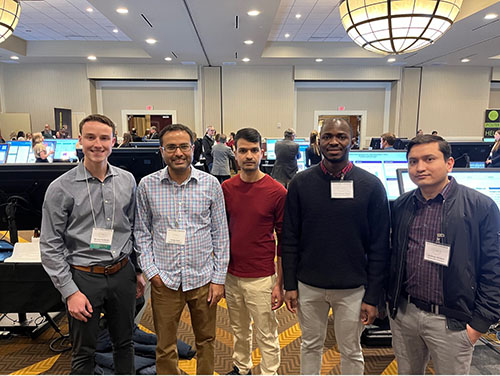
(314, 304)
(167, 307)
(247, 299)
(418, 335)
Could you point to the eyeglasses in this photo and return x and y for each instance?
(171, 148)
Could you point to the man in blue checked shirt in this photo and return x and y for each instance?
(183, 244)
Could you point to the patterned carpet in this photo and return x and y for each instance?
(23, 355)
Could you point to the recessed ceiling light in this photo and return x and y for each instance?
(298, 15)
(92, 57)
(465, 60)
(391, 60)
(168, 58)
(253, 13)
(14, 57)
(115, 30)
(245, 59)
(490, 16)
(90, 10)
(122, 10)
(319, 60)
(287, 35)
(248, 42)
(150, 41)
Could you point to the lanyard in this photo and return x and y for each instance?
(90, 199)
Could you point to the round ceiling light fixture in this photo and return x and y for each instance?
(10, 10)
(397, 26)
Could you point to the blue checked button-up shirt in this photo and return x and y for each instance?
(196, 206)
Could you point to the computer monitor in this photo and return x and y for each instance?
(149, 144)
(375, 143)
(270, 145)
(383, 164)
(66, 150)
(484, 180)
(301, 161)
(19, 151)
(22, 191)
(138, 161)
(4, 149)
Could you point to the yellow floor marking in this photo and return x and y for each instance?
(38, 368)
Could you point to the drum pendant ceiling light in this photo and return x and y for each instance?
(397, 26)
(9, 17)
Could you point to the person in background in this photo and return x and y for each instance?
(230, 141)
(13, 136)
(313, 154)
(127, 139)
(29, 136)
(287, 152)
(58, 135)
(207, 143)
(64, 131)
(47, 133)
(135, 137)
(444, 275)
(153, 134)
(494, 157)
(222, 155)
(434, 133)
(420, 132)
(146, 135)
(39, 149)
(198, 148)
(387, 141)
(21, 136)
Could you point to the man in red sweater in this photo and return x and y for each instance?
(254, 205)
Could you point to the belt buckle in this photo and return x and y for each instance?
(107, 269)
(435, 309)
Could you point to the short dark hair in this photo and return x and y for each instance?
(248, 134)
(176, 127)
(337, 121)
(444, 146)
(100, 119)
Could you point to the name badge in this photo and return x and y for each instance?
(437, 253)
(101, 238)
(177, 237)
(342, 189)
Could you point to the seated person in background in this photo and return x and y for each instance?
(135, 137)
(21, 136)
(39, 149)
(127, 139)
(153, 134)
(198, 148)
(313, 155)
(222, 156)
(387, 141)
(47, 132)
(434, 133)
(64, 132)
(29, 136)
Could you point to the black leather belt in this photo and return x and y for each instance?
(437, 309)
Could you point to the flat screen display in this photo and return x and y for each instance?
(484, 180)
(66, 150)
(303, 145)
(4, 148)
(19, 151)
(382, 164)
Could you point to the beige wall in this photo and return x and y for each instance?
(180, 99)
(259, 97)
(38, 88)
(211, 102)
(14, 123)
(410, 92)
(329, 99)
(453, 101)
(494, 98)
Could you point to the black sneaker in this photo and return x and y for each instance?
(236, 371)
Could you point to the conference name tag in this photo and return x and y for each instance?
(437, 253)
(177, 237)
(342, 189)
(101, 238)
